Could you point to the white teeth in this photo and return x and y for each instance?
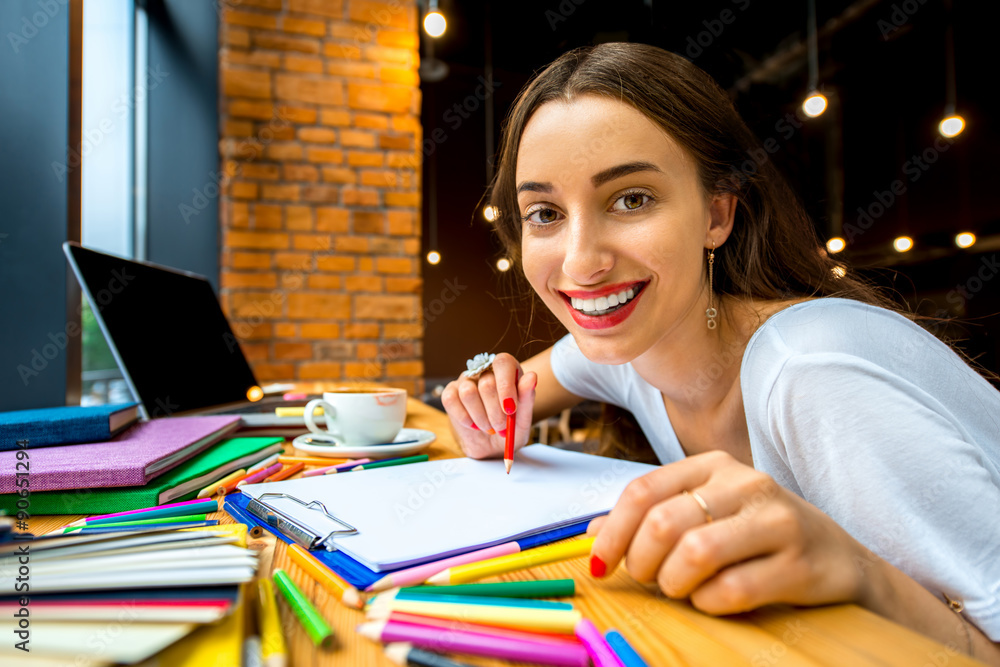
(599, 305)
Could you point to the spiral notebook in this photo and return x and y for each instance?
(394, 517)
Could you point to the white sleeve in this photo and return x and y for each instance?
(894, 468)
(585, 378)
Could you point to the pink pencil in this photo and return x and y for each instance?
(81, 522)
(597, 647)
(260, 475)
(330, 469)
(476, 643)
(421, 573)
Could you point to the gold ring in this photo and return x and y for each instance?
(702, 504)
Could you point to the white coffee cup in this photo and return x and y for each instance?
(358, 417)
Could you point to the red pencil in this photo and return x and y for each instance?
(508, 448)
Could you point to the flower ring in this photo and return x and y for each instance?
(478, 365)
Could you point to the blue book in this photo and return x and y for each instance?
(66, 425)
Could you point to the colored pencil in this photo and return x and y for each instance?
(260, 475)
(251, 652)
(462, 574)
(189, 518)
(313, 460)
(294, 411)
(420, 573)
(482, 628)
(521, 618)
(173, 509)
(390, 597)
(230, 486)
(385, 463)
(402, 653)
(596, 646)
(210, 489)
(320, 633)
(533, 588)
(508, 447)
(285, 472)
(628, 655)
(269, 624)
(330, 580)
(263, 463)
(474, 643)
(330, 470)
(97, 530)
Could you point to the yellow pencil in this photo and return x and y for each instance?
(211, 488)
(312, 460)
(272, 642)
(461, 574)
(299, 411)
(330, 580)
(522, 618)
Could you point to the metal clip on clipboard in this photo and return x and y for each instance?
(301, 534)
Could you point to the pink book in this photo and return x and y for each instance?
(131, 458)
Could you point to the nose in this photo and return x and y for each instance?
(587, 256)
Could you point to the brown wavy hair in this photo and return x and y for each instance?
(773, 252)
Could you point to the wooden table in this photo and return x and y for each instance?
(665, 632)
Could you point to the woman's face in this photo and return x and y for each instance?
(614, 226)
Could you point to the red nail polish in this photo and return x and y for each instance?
(597, 567)
(503, 433)
(508, 406)
(473, 426)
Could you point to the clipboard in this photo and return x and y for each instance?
(300, 533)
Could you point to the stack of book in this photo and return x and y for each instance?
(100, 459)
(121, 597)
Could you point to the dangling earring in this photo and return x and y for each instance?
(711, 312)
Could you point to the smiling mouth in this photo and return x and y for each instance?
(605, 305)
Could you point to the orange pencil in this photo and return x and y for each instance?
(285, 472)
(311, 460)
(230, 486)
(329, 579)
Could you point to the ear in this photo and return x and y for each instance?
(722, 212)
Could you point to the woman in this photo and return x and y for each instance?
(817, 446)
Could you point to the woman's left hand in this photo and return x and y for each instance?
(757, 544)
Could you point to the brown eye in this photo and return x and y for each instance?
(546, 215)
(632, 201)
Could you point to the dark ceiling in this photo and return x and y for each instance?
(887, 87)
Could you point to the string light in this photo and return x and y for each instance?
(965, 239)
(433, 257)
(254, 394)
(434, 22)
(815, 102)
(814, 105)
(503, 264)
(835, 245)
(951, 126)
(903, 244)
(490, 213)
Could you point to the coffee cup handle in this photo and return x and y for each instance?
(331, 414)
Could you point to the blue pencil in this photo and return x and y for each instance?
(624, 650)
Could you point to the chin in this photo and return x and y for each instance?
(603, 352)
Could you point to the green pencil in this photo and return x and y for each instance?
(318, 630)
(541, 588)
(141, 522)
(392, 462)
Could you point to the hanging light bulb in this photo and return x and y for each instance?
(433, 257)
(951, 126)
(903, 244)
(503, 264)
(490, 213)
(815, 104)
(835, 245)
(965, 240)
(434, 22)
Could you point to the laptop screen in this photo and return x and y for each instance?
(167, 330)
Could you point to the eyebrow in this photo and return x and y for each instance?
(597, 179)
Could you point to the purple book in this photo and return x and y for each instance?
(131, 458)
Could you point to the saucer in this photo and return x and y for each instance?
(320, 446)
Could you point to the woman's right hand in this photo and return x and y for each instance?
(478, 408)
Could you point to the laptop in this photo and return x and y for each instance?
(172, 342)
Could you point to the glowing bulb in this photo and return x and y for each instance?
(814, 105)
(490, 213)
(254, 394)
(433, 257)
(965, 239)
(503, 264)
(835, 245)
(902, 244)
(435, 24)
(951, 126)
(838, 271)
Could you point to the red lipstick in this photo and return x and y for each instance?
(613, 318)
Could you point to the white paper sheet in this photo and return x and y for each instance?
(419, 512)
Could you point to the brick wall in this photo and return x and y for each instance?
(320, 188)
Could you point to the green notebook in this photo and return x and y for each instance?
(182, 483)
